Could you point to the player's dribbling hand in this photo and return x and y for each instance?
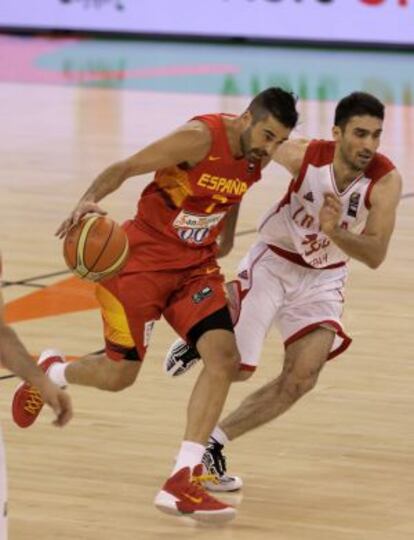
(330, 213)
(58, 400)
(81, 210)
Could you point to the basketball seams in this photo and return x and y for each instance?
(96, 276)
(118, 262)
(108, 238)
(96, 248)
(81, 268)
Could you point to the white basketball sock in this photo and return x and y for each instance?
(56, 373)
(190, 455)
(218, 435)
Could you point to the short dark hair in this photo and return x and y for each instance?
(357, 104)
(277, 102)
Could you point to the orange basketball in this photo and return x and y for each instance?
(96, 248)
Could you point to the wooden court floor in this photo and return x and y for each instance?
(339, 466)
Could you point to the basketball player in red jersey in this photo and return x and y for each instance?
(14, 356)
(202, 170)
(341, 204)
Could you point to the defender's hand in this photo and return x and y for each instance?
(330, 213)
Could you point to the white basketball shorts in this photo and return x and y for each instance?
(296, 299)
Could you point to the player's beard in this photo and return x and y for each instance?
(248, 152)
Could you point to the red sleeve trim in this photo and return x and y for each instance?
(318, 153)
(379, 167)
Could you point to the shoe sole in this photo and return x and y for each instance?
(221, 490)
(208, 516)
(166, 503)
(169, 510)
(221, 516)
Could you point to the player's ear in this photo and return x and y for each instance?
(247, 118)
(336, 133)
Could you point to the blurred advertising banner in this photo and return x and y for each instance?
(360, 21)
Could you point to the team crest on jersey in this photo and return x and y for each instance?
(309, 196)
(353, 204)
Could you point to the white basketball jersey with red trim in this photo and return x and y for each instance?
(293, 224)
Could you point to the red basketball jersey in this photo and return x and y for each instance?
(182, 210)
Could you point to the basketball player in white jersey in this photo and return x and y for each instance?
(340, 204)
(15, 357)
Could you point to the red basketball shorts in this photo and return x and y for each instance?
(132, 302)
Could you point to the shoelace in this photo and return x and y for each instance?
(34, 402)
(219, 460)
(197, 482)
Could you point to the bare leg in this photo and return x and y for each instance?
(221, 358)
(183, 492)
(303, 362)
(101, 372)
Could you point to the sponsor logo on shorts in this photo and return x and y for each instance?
(201, 295)
(148, 328)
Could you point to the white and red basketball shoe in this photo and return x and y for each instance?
(27, 401)
(183, 495)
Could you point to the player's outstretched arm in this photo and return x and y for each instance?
(14, 356)
(290, 155)
(188, 144)
(371, 246)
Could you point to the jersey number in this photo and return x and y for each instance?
(219, 198)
